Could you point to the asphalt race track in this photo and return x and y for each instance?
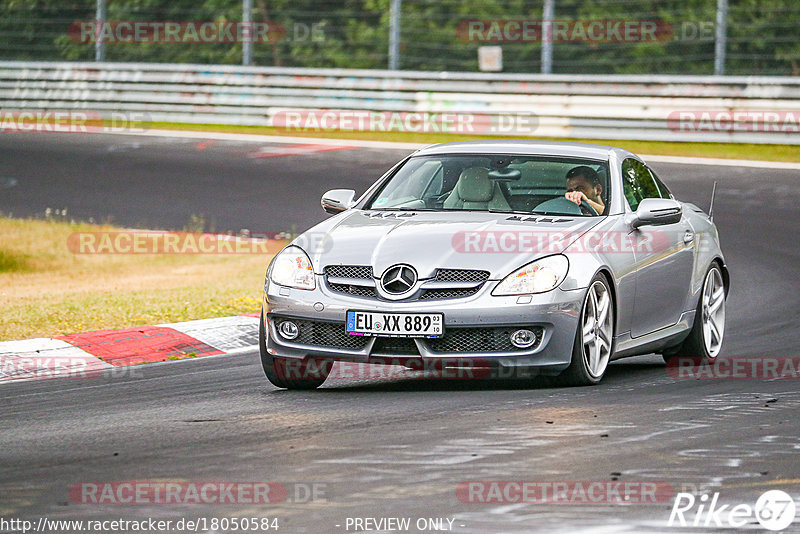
(395, 447)
(152, 182)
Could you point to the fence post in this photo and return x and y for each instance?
(721, 37)
(247, 32)
(394, 34)
(99, 44)
(547, 36)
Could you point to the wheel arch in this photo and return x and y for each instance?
(612, 286)
(726, 280)
(726, 277)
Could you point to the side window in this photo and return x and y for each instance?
(665, 192)
(637, 183)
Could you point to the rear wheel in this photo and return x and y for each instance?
(290, 373)
(594, 340)
(705, 340)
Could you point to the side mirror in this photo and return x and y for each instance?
(656, 211)
(338, 200)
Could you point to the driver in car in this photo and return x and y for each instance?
(583, 185)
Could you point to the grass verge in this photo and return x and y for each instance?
(46, 290)
(751, 151)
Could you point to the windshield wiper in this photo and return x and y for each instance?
(516, 212)
(558, 213)
(403, 209)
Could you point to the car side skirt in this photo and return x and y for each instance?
(654, 341)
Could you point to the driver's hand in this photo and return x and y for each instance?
(575, 196)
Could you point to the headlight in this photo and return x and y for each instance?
(537, 277)
(292, 268)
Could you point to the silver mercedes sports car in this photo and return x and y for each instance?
(550, 258)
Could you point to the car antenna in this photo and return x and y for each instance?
(711, 207)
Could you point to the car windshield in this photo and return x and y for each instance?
(496, 183)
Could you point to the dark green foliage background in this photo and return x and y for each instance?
(762, 34)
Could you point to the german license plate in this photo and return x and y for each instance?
(395, 324)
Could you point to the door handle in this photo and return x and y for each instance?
(688, 236)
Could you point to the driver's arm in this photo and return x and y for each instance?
(577, 197)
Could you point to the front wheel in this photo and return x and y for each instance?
(705, 339)
(289, 373)
(594, 340)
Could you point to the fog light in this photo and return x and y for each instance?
(288, 330)
(522, 339)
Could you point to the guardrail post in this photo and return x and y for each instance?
(394, 34)
(247, 33)
(99, 44)
(547, 36)
(721, 37)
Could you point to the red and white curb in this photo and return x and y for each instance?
(92, 354)
(295, 150)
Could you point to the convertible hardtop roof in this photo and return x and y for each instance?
(523, 147)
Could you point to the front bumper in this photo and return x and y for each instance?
(554, 314)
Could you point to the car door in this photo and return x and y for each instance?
(664, 256)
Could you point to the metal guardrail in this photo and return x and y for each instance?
(758, 109)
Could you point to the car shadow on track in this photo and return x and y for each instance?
(630, 371)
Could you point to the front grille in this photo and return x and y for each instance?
(456, 275)
(395, 346)
(480, 340)
(448, 293)
(358, 291)
(461, 275)
(364, 272)
(355, 272)
(361, 272)
(321, 334)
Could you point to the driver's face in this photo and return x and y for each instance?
(579, 183)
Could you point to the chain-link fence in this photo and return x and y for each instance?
(752, 37)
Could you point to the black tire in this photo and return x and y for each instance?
(671, 352)
(578, 373)
(694, 346)
(289, 373)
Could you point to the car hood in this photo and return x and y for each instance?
(495, 242)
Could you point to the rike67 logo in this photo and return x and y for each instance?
(774, 510)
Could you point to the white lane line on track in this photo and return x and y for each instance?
(223, 136)
(786, 165)
(254, 138)
(295, 150)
